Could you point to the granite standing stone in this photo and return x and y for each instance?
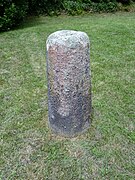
(69, 82)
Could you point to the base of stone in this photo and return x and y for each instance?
(71, 134)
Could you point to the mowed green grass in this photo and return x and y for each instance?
(28, 149)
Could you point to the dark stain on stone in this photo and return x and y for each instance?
(78, 116)
(82, 83)
(77, 87)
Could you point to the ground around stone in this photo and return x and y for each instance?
(28, 149)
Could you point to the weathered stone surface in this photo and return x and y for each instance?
(69, 85)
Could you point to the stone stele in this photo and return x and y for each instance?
(69, 82)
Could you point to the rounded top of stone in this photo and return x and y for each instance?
(68, 38)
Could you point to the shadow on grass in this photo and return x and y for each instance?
(31, 21)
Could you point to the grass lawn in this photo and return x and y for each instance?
(28, 149)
